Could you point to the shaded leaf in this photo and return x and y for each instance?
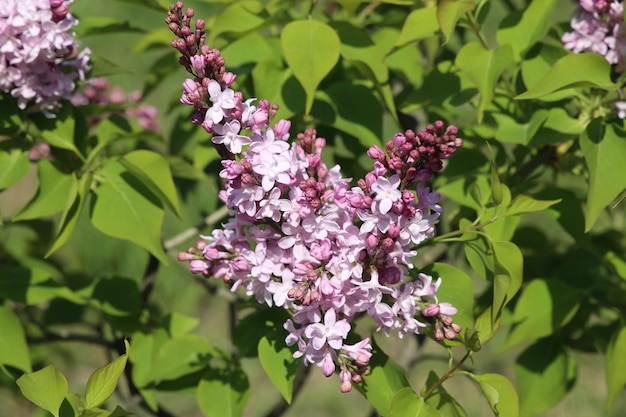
(384, 383)
(542, 309)
(544, 374)
(52, 195)
(441, 400)
(604, 147)
(407, 404)
(278, 362)
(242, 16)
(615, 364)
(13, 166)
(223, 393)
(181, 356)
(522, 204)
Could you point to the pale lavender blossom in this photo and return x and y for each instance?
(299, 237)
(39, 58)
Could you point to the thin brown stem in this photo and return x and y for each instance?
(450, 372)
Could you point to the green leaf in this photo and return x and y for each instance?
(181, 356)
(419, 24)
(484, 68)
(542, 309)
(352, 109)
(486, 326)
(522, 204)
(604, 147)
(441, 400)
(13, 347)
(143, 356)
(615, 363)
(178, 323)
(46, 388)
(253, 327)
(508, 272)
(311, 49)
(537, 62)
(509, 131)
(239, 17)
(74, 206)
(278, 362)
(159, 37)
(544, 374)
(523, 30)
(32, 286)
(154, 172)
(103, 381)
(158, 5)
(407, 404)
(99, 25)
(573, 71)
(385, 381)
(500, 394)
(13, 166)
(54, 189)
(60, 131)
(449, 12)
(223, 393)
(117, 296)
(127, 209)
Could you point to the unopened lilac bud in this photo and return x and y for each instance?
(197, 266)
(184, 256)
(362, 360)
(394, 231)
(228, 78)
(450, 334)
(200, 244)
(376, 153)
(387, 244)
(328, 367)
(438, 334)
(371, 241)
(345, 387)
(282, 127)
(456, 328)
(431, 311)
(357, 379)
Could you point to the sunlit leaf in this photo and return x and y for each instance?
(223, 393)
(13, 347)
(407, 404)
(278, 362)
(103, 381)
(46, 388)
(419, 24)
(311, 49)
(500, 394)
(615, 363)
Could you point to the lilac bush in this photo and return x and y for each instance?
(40, 61)
(299, 236)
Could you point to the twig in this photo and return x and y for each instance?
(210, 220)
(447, 375)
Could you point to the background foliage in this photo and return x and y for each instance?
(531, 245)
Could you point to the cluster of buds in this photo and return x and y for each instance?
(39, 58)
(99, 92)
(299, 237)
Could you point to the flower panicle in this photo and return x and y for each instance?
(40, 61)
(323, 250)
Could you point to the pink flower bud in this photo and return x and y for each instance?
(431, 311)
(328, 366)
(376, 153)
(184, 256)
(371, 241)
(197, 266)
(228, 78)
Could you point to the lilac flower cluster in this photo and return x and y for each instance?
(39, 60)
(598, 27)
(98, 91)
(299, 237)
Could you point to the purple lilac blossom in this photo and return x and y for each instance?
(323, 250)
(39, 58)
